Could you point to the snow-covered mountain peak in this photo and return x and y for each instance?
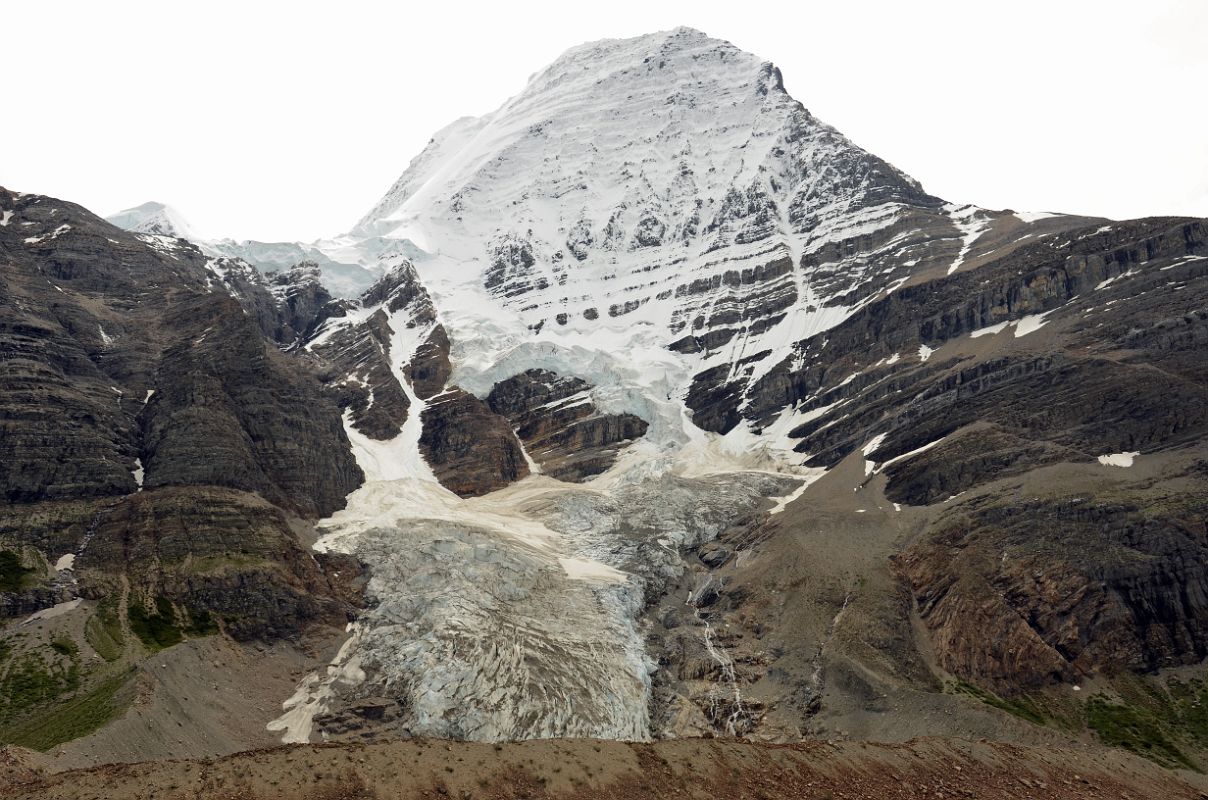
(158, 219)
(665, 187)
(654, 230)
(672, 115)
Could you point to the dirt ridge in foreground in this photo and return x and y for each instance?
(602, 770)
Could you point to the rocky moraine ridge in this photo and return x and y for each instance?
(670, 411)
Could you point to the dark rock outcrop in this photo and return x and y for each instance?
(126, 354)
(230, 411)
(288, 306)
(358, 371)
(1069, 586)
(131, 362)
(430, 368)
(358, 361)
(471, 449)
(217, 552)
(561, 429)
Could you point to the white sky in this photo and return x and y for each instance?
(287, 121)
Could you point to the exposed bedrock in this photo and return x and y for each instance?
(216, 556)
(1033, 279)
(122, 363)
(1116, 367)
(1070, 586)
(358, 372)
(430, 368)
(230, 411)
(562, 430)
(359, 360)
(217, 552)
(288, 306)
(471, 449)
(1088, 342)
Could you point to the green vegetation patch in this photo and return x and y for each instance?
(64, 646)
(158, 629)
(78, 716)
(1023, 707)
(13, 576)
(202, 623)
(29, 681)
(1189, 701)
(103, 631)
(1134, 728)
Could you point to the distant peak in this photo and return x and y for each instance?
(156, 218)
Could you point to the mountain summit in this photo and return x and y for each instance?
(664, 187)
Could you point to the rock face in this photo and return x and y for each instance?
(155, 444)
(362, 378)
(231, 412)
(213, 553)
(123, 357)
(288, 306)
(360, 355)
(1002, 361)
(470, 448)
(560, 427)
(1071, 586)
(430, 368)
(967, 389)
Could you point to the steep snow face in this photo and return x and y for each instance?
(664, 182)
(157, 219)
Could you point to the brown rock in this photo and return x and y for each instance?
(471, 449)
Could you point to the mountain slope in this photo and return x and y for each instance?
(158, 457)
(653, 229)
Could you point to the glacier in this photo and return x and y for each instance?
(651, 215)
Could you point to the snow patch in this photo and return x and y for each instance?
(58, 610)
(1118, 459)
(47, 236)
(990, 330)
(870, 448)
(1030, 324)
(1034, 216)
(965, 218)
